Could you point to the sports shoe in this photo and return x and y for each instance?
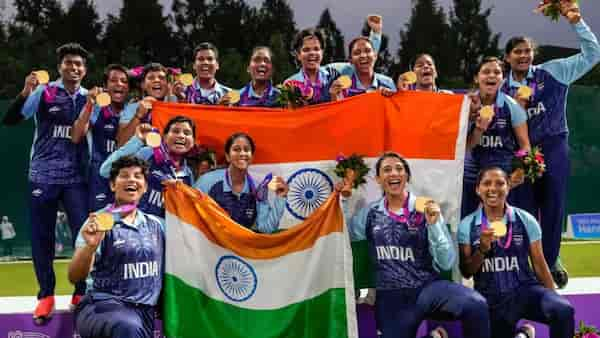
(559, 274)
(526, 331)
(439, 332)
(74, 302)
(43, 310)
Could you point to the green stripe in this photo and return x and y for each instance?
(188, 313)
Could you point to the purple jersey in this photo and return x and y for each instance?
(103, 133)
(248, 98)
(55, 159)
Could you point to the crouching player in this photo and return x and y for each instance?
(124, 259)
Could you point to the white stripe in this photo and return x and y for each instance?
(282, 281)
(351, 317)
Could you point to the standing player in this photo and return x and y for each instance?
(260, 92)
(57, 167)
(103, 124)
(498, 257)
(125, 263)
(546, 107)
(426, 71)
(409, 248)
(206, 89)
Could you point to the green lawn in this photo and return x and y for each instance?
(19, 280)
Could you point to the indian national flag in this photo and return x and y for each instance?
(225, 281)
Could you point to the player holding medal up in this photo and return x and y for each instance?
(122, 250)
(410, 244)
(543, 90)
(496, 242)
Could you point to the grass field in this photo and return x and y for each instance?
(18, 279)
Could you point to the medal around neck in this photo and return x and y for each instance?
(487, 112)
(421, 202)
(187, 79)
(499, 228)
(345, 81)
(105, 221)
(234, 96)
(153, 139)
(103, 100)
(524, 92)
(42, 76)
(409, 78)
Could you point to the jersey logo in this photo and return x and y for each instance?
(101, 197)
(236, 278)
(500, 264)
(308, 189)
(109, 127)
(54, 109)
(37, 192)
(491, 141)
(398, 253)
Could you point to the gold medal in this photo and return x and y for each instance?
(187, 79)
(105, 221)
(524, 92)
(345, 81)
(487, 112)
(409, 78)
(234, 96)
(153, 139)
(103, 99)
(421, 202)
(273, 184)
(42, 76)
(499, 228)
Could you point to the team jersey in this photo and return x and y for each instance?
(196, 94)
(550, 82)
(506, 266)
(161, 168)
(248, 98)
(357, 87)
(54, 158)
(244, 208)
(129, 262)
(408, 253)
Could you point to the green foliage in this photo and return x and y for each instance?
(335, 50)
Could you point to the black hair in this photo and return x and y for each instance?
(72, 48)
(234, 137)
(128, 162)
(153, 67)
(257, 48)
(110, 68)
(180, 119)
(354, 41)
(206, 46)
(305, 33)
(512, 44)
(420, 55)
(484, 170)
(489, 59)
(391, 154)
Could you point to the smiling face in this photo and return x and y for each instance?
(117, 86)
(310, 54)
(179, 138)
(155, 84)
(363, 56)
(72, 68)
(425, 70)
(489, 78)
(129, 185)
(261, 67)
(520, 57)
(392, 176)
(206, 64)
(240, 154)
(493, 188)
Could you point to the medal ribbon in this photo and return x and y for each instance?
(261, 101)
(317, 86)
(405, 212)
(251, 185)
(484, 225)
(125, 208)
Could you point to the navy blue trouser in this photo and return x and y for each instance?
(43, 207)
(535, 303)
(112, 318)
(400, 312)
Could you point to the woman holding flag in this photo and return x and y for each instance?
(543, 90)
(121, 248)
(234, 189)
(496, 242)
(410, 245)
(166, 158)
(499, 129)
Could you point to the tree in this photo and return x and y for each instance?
(82, 25)
(335, 49)
(277, 16)
(471, 37)
(190, 17)
(426, 32)
(385, 60)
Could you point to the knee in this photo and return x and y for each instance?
(562, 311)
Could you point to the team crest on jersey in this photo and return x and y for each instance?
(109, 127)
(501, 123)
(37, 192)
(517, 239)
(101, 197)
(54, 109)
(308, 189)
(236, 278)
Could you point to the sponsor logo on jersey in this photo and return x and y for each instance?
(37, 192)
(54, 109)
